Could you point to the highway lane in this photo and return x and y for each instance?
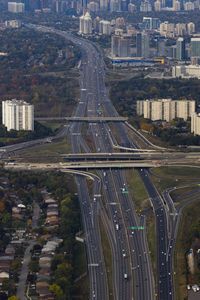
(141, 289)
(139, 249)
(96, 265)
(164, 244)
(122, 286)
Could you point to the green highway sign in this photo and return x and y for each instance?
(137, 227)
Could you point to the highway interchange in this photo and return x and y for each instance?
(132, 275)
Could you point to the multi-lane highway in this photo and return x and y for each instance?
(132, 272)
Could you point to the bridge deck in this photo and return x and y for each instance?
(85, 119)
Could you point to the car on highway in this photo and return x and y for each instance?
(188, 287)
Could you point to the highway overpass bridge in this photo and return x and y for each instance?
(85, 119)
(80, 165)
(87, 165)
(121, 156)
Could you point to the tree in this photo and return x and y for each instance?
(13, 298)
(57, 291)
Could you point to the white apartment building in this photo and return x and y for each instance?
(104, 27)
(85, 24)
(195, 124)
(165, 109)
(17, 115)
(15, 7)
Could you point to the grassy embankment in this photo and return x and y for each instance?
(49, 152)
(166, 177)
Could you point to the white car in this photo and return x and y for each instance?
(188, 287)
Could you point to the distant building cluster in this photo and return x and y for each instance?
(170, 41)
(172, 30)
(165, 109)
(17, 115)
(96, 6)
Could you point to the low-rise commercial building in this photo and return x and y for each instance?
(13, 24)
(186, 71)
(165, 109)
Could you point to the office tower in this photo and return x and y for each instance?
(167, 29)
(59, 6)
(96, 24)
(176, 5)
(180, 49)
(119, 22)
(145, 6)
(142, 45)
(103, 5)
(195, 47)
(190, 28)
(181, 29)
(124, 5)
(157, 5)
(161, 47)
(124, 47)
(132, 7)
(17, 115)
(114, 45)
(85, 24)
(93, 6)
(114, 5)
(119, 31)
(165, 109)
(15, 7)
(104, 27)
(196, 4)
(195, 61)
(150, 23)
(188, 6)
(27, 5)
(120, 46)
(195, 124)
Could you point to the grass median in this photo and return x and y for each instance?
(166, 177)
